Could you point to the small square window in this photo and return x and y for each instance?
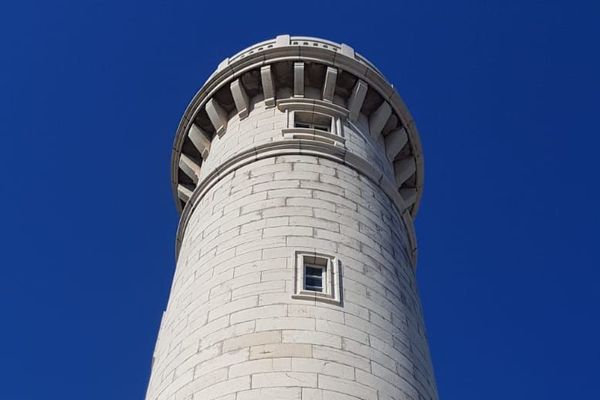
(314, 125)
(317, 277)
(313, 277)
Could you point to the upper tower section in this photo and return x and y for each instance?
(298, 95)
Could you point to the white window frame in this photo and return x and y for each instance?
(318, 108)
(322, 270)
(331, 277)
(333, 128)
(308, 118)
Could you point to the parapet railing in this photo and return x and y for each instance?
(298, 41)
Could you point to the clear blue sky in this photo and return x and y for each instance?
(506, 97)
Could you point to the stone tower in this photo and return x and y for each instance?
(298, 172)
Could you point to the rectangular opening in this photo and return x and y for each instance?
(310, 120)
(317, 277)
(313, 277)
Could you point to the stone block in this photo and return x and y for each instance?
(312, 337)
(275, 379)
(251, 339)
(281, 323)
(254, 313)
(260, 365)
(223, 388)
(279, 393)
(280, 350)
(347, 387)
(323, 367)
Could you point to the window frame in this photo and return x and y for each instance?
(330, 267)
(313, 110)
(313, 120)
(321, 277)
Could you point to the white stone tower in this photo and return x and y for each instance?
(298, 172)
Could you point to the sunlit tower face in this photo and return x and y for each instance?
(298, 172)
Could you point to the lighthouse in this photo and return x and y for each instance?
(297, 171)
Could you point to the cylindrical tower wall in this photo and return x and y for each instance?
(295, 276)
(232, 325)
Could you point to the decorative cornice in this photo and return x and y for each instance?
(286, 48)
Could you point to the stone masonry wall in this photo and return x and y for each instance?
(232, 330)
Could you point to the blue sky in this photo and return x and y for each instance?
(506, 97)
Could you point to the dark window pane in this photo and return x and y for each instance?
(312, 271)
(310, 281)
